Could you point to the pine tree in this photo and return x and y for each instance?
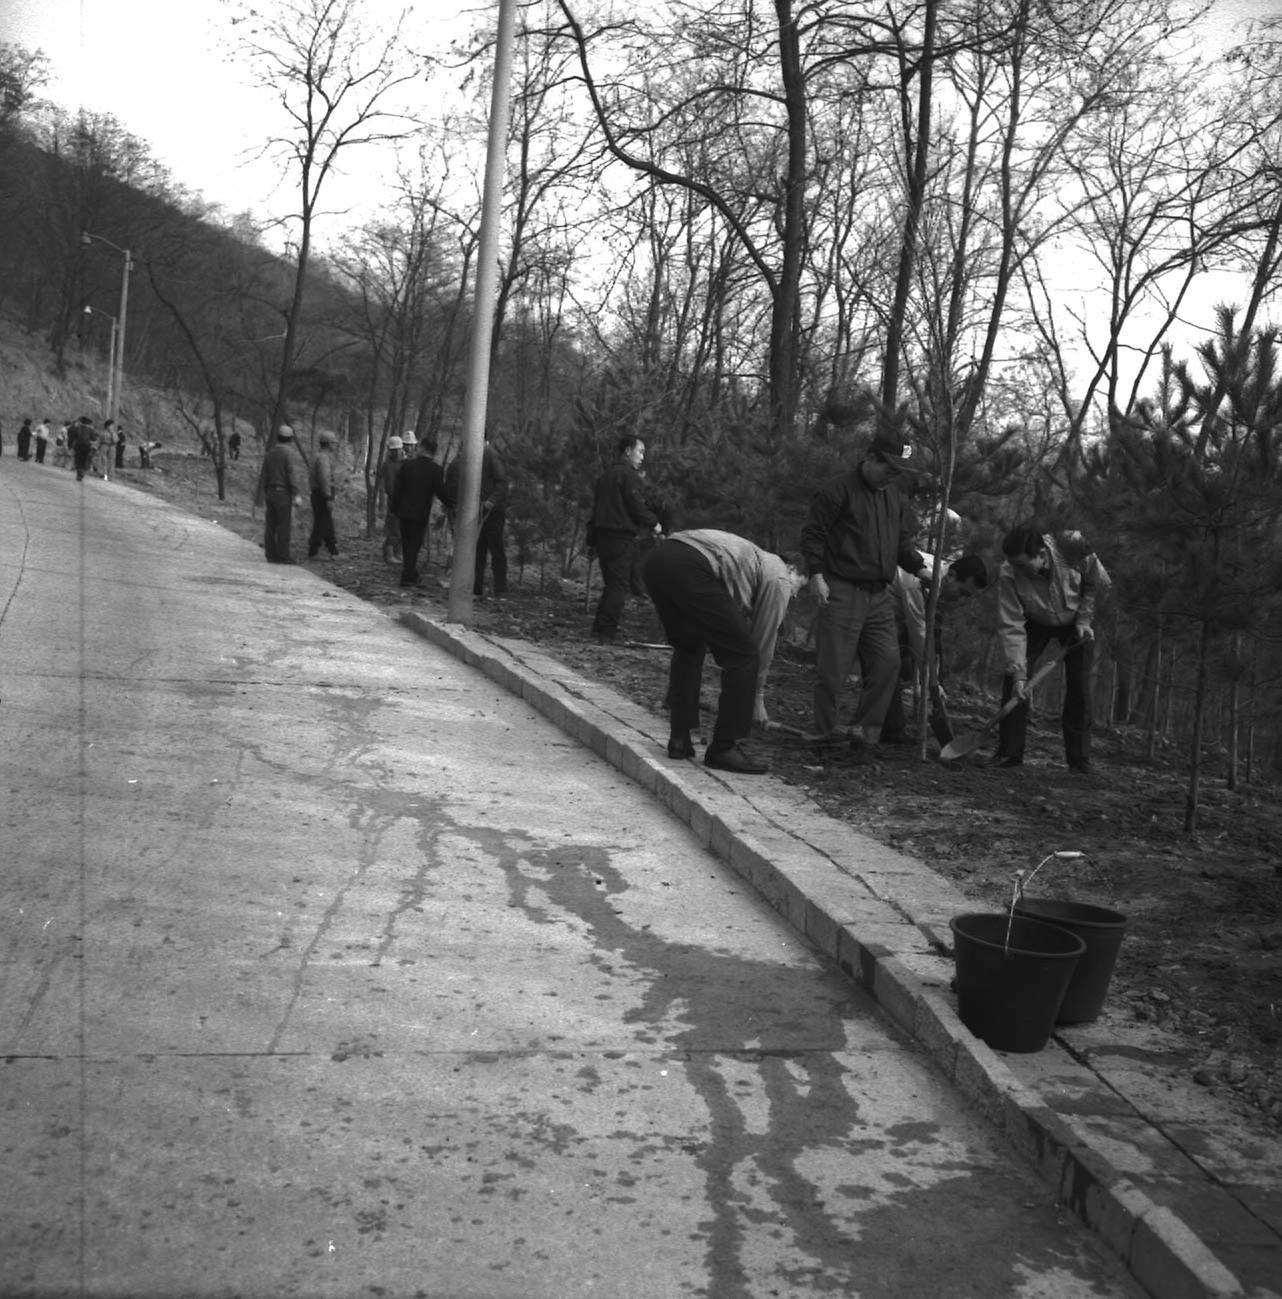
(1189, 488)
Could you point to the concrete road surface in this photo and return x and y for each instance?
(331, 969)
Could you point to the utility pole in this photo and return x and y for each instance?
(116, 386)
(467, 520)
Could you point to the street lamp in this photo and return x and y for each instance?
(117, 386)
(111, 365)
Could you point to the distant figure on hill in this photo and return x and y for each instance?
(233, 445)
(283, 476)
(322, 490)
(24, 440)
(42, 440)
(387, 472)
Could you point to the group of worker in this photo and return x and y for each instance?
(717, 593)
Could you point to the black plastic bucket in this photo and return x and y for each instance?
(1101, 929)
(1010, 995)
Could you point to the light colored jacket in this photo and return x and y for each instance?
(756, 580)
(1064, 596)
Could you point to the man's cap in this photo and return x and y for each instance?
(410, 438)
(327, 439)
(284, 433)
(891, 447)
(394, 443)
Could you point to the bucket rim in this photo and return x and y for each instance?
(1076, 948)
(1087, 915)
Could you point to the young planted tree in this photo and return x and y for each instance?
(1191, 487)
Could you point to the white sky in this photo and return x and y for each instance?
(164, 70)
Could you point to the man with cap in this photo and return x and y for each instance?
(283, 475)
(420, 481)
(859, 529)
(387, 472)
(322, 487)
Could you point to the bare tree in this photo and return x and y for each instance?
(333, 80)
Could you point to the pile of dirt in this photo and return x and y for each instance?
(1203, 954)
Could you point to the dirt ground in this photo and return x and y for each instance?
(1202, 956)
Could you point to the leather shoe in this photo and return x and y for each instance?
(1080, 766)
(736, 760)
(1004, 760)
(680, 748)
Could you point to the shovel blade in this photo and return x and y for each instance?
(960, 748)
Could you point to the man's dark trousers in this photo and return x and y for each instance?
(413, 533)
(1076, 715)
(322, 525)
(614, 555)
(700, 617)
(278, 509)
(489, 541)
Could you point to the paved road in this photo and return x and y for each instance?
(332, 969)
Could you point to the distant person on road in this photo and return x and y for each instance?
(1047, 589)
(419, 482)
(233, 445)
(387, 472)
(42, 440)
(322, 492)
(105, 452)
(24, 440)
(120, 447)
(717, 593)
(621, 508)
(84, 439)
(283, 476)
(61, 456)
(492, 518)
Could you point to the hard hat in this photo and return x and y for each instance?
(394, 443)
(410, 439)
(326, 438)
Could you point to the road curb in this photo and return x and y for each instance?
(900, 959)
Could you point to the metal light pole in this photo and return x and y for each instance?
(117, 387)
(111, 364)
(459, 608)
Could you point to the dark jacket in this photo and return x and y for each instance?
(418, 482)
(619, 503)
(858, 534)
(283, 470)
(493, 481)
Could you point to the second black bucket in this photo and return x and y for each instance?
(1009, 992)
(1101, 929)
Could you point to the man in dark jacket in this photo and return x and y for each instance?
(419, 482)
(620, 510)
(860, 528)
(283, 476)
(493, 516)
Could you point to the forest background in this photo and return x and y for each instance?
(746, 232)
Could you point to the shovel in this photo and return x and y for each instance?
(969, 743)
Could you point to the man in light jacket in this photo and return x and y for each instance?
(1046, 591)
(717, 593)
